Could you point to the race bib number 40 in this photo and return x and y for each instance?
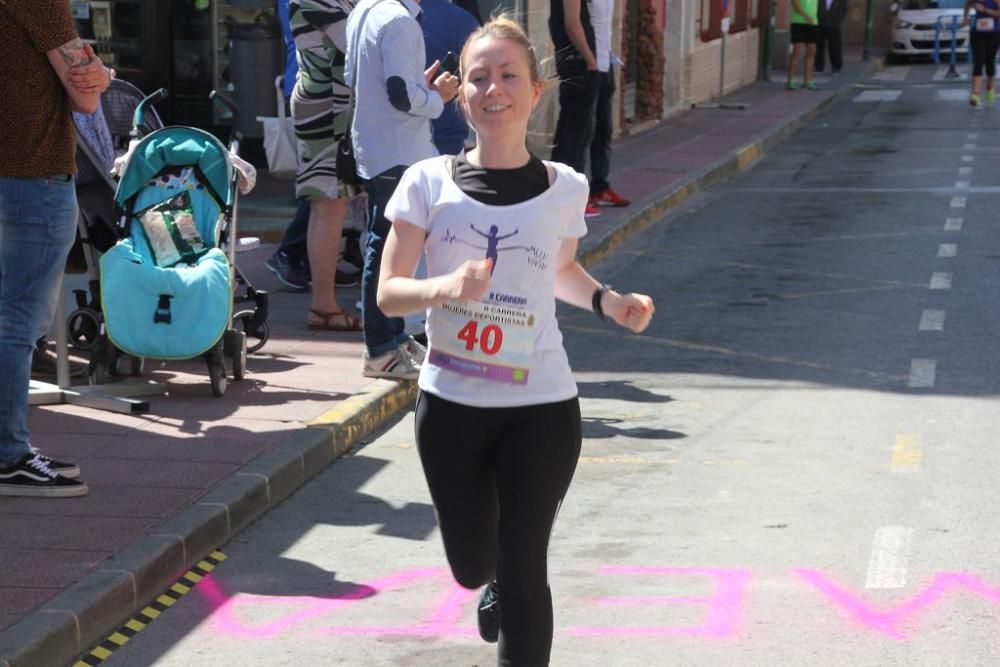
(483, 340)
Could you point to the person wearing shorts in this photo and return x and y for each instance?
(497, 421)
(985, 41)
(804, 35)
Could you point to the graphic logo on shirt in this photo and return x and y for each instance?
(536, 257)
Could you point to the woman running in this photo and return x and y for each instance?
(497, 416)
(985, 38)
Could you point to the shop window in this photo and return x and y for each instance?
(710, 19)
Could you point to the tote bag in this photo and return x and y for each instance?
(280, 145)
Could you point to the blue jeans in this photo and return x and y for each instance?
(382, 334)
(294, 242)
(37, 229)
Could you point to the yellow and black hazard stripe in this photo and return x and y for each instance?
(164, 601)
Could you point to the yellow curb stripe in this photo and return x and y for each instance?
(141, 621)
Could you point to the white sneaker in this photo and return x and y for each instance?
(417, 351)
(394, 365)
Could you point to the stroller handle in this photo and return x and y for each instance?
(140, 110)
(237, 136)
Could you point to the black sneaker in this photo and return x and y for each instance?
(292, 276)
(32, 477)
(69, 470)
(488, 615)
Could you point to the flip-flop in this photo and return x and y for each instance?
(337, 320)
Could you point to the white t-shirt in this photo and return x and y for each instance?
(505, 350)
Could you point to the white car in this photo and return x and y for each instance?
(913, 28)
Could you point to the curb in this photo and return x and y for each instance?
(77, 618)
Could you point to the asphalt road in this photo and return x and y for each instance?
(795, 465)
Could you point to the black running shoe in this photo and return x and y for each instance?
(488, 615)
(69, 470)
(31, 476)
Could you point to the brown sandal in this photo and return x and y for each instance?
(337, 320)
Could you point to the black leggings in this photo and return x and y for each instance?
(984, 52)
(497, 477)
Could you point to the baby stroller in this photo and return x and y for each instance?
(101, 137)
(166, 287)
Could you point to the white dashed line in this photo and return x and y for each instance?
(890, 556)
(968, 158)
(961, 184)
(878, 96)
(965, 171)
(969, 147)
(922, 372)
(971, 136)
(940, 281)
(957, 202)
(948, 250)
(953, 225)
(932, 320)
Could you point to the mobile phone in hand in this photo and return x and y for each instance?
(450, 63)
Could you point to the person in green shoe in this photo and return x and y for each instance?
(804, 33)
(985, 38)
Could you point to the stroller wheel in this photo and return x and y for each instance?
(256, 335)
(216, 371)
(235, 349)
(83, 326)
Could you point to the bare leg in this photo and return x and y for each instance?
(792, 57)
(807, 66)
(326, 220)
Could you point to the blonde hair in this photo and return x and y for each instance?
(504, 27)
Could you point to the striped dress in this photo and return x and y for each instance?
(321, 97)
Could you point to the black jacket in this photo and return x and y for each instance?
(834, 15)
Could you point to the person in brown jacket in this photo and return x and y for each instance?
(56, 74)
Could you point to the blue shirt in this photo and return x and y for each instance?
(446, 27)
(291, 66)
(393, 105)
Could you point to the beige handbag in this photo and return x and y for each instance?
(280, 145)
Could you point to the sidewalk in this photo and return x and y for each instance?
(168, 487)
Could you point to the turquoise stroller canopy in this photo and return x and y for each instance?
(178, 147)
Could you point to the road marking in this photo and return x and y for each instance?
(951, 95)
(890, 555)
(957, 202)
(964, 171)
(961, 184)
(953, 225)
(151, 612)
(968, 158)
(907, 453)
(969, 147)
(878, 96)
(932, 320)
(948, 250)
(941, 281)
(922, 372)
(893, 74)
(942, 73)
(972, 135)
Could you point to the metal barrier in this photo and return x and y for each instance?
(939, 25)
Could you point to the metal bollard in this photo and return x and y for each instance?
(936, 56)
(952, 72)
